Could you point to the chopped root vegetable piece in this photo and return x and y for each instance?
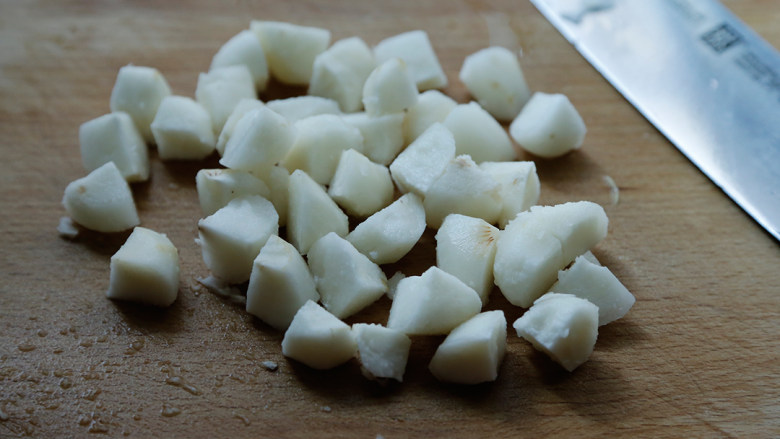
(318, 339)
(145, 269)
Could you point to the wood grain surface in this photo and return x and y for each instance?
(697, 356)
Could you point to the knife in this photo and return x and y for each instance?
(707, 81)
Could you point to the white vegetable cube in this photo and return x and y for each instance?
(182, 130)
(290, 49)
(389, 89)
(432, 106)
(145, 269)
(278, 181)
(462, 188)
(479, 135)
(318, 145)
(138, 92)
(280, 284)
(221, 89)
(301, 107)
(101, 201)
(417, 52)
(526, 262)
(473, 352)
(421, 163)
(232, 237)
(563, 326)
(346, 279)
(244, 49)
(260, 140)
(382, 135)
(243, 107)
(359, 185)
(114, 138)
(598, 285)
(432, 304)
(217, 187)
(494, 77)
(549, 126)
(340, 72)
(386, 236)
(539, 242)
(318, 339)
(311, 213)
(519, 187)
(578, 225)
(383, 352)
(466, 248)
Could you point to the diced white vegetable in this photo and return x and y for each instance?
(479, 135)
(340, 72)
(280, 284)
(462, 188)
(311, 213)
(389, 89)
(145, 269)
(382, 352)
(216, 187)
(290, 49)
(382, 136)
(422, 162)
(519, 187)
(563, 326)
(466, 248)
(101, 201)
(114, 138)
(67, 228)
(473, 352)
(432, 304)
(245, 49)
(138, 92)
(417, 52)
(432, 106)
(278, 180)
(301, 107)
(578, 225)
(318, 144)
(182, 130)
(221, 89)
(318, 339)
(598, 285)
(243, 107)
(346, 279)
(549, 126)
(359, 185)
(539, 242)
(494, 77)
(260, 140)
(389, 234)
(392, 284)
(232, 237)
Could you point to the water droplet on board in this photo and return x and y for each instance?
(136, 417)
(3, 416)
(178, 381)
(86, 343)
(26, 347)
(66, 383)
(41, 333)
(243, 419)
(135, 346)
(169, 412)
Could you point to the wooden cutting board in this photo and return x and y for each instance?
(697, 356)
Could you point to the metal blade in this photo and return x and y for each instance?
(708, 82)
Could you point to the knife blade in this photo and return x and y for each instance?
(702, 77)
